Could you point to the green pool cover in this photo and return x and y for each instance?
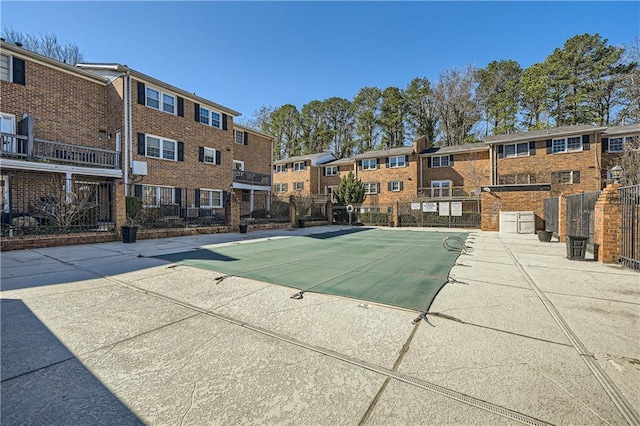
(393, 267)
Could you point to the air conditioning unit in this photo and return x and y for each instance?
(193, 212)
(139, 168)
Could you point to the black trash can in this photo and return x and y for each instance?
(300, 223)
(129, 234)
(243, 228)
(576, 247)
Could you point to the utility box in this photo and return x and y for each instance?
(576, 247)
(517, 222)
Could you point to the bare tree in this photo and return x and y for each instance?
(46, 44)
(630, 161)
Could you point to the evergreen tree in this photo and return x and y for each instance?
(350, 190)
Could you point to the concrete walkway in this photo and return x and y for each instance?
(103, 334)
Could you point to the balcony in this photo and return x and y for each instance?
(20, 147)
(449, 192)
(251, 178)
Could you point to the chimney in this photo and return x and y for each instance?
(420, 144)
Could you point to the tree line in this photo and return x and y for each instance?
(587, 81)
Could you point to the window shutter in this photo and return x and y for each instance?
(19, 71)
(576, 176)
(388, 161)
(401, 185)
(177, 192)
(196, 112)
(549, 146)
(605, 144)
(180, 151)
(360, 165)
(137, 191)
(197, 198)
(141, 144)
(141, 94)
(500, 151)
(285, 187)
(324, 171)
(378, 187)
(224, 121)
(532, 148)
(428, 162)
(218, 156)
(585, 143)
(180, 107)
(451, 160)
(388, 186)
(245, 140)
(406, 161)
(201, 154)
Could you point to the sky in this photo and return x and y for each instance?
(244, 55)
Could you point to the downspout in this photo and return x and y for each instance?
(130, 119)
(421, 183)
(318, 180)
(125, 144)
(491, 178)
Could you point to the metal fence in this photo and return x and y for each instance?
(551, 208)
(630, 233)
(41, 204)
(378, 215)
(581, 216)
(264, 207)
(447, 214)
(312, 207)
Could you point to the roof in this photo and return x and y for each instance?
(622, 130)
(123, 69)
(543, 133)
(403, 150)
(252, 130)
(44, 60)
(455, 149)
(341, 161)
(297, 158)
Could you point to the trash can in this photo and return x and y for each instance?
(300, 223)
(129, 233)
(243, 228)
(576, 247)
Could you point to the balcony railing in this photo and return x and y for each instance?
(21, 147)
(251, 178)
(450, 192)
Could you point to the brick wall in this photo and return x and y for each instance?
(383, 175)
(256, 154)
(469, 170)
(608, 223)
(309, 177)
(495, 202)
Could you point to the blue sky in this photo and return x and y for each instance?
(247, 54)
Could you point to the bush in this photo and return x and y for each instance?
(374, 218)
(134, 207)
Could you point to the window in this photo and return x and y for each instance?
(616, 145)
(566, 145)
(209, 155)
(331, 171)
(298, 166)
(371, 187)
(210, 199)
(298, 186)
(168, 103)
(440, 188)
(153, 98)
(204, 115)
(215, 119)
(516, 150)
(280, 187)
(281, 168)
(159, 100)
(395, 186)
(517, 179)
(399, 161)
(329, 190)
(155, 196)
(238, 165)
(8, 125)
(5, 67)
(440, 161)
(160, 148)
(566, 177)
(371, 164)
(238, 137)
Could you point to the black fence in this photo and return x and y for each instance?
(551, 212)
(378, 215)
(447, 214)
(630, 233)
(581, 216)
(311, 207)
(43, 203)
(263, 207)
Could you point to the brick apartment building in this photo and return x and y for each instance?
(299, 175)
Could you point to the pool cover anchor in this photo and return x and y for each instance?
(297, 296)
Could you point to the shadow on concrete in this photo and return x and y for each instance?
(43, 383)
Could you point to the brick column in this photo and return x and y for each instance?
(608, 224)
(562, 217)
(119, 204)
(293, 211)
(329, 211)
(234, 210)
(396, 216)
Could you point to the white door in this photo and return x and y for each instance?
(8, 125)
(509, 222)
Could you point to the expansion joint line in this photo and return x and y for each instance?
(619, 400)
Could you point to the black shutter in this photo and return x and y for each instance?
(141, 93)
(197, 196)
(141, 144)
(401, 185)
(245, 140)
(549, 146)
(180, 151)
(585, 143)
(224, 121)
(500, 151)
(178, 196)
(605, 144)
(388, 186)
(19, 71)
(180, 107)
(428, 162)
(137, 191)
(196, 112)
(360, 165)
(532, 148)
(451, 160)
(576, 176)
(324, 171)
(406, 161)
(218, 159)
(201, 154)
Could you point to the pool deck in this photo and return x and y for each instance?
(106, 334)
